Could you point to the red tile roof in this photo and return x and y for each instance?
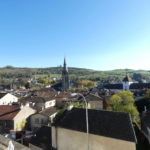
(8, 112)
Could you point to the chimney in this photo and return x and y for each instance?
(144, 108)
(37, 93)
(42, 108)
(21, 105)
(54, 120)
(70, 106)
(27, 104)
(143, 114)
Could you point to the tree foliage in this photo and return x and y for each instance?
(21, 125)
(141, 103)
(124, 102)
(147, 94)
(45, 81)
(86, 83)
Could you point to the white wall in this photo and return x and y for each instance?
(50, 103)
(126, 85)
(37, 125)
(7, 99)
(74, 140)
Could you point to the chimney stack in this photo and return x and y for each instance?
(70, 106)
(21, 105)
(145, 108)
(27, 104)
(144, 112)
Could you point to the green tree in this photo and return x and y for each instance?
(28, 85)
(124, 102)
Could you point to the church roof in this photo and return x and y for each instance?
(127, 79)
(113, 86)
(139, 85)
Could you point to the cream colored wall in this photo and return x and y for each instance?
(54, 136)
(73, 140)
(23, 114)
(97, 104)
(33, 147)
(34, 124)
(7, 98)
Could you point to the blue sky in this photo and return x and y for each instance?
(94, 34)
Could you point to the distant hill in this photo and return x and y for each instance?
(81, 72)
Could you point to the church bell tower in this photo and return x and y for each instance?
(65, 77)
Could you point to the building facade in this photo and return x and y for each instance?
(127, 85)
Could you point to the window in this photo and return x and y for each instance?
(7, 124)
(36, 120)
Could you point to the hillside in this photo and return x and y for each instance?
(81, 72)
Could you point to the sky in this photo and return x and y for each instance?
(93, 34)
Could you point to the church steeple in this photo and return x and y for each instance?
(65, 77)
(65, 65)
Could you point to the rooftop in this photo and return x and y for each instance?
(42, 138)
(4, 142)
(43, 96)
(111, 124)
(8, 112)
(127, 79)
(49, 111)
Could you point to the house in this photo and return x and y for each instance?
(41, 140)
(144, 81)
(4, 143)
(97, 101)
(48, 86)
(42, 118)
(11, 115)
(63, 97)
(127, 84)
(40, 100)
(6, 98)
(108, 130)
(23, 92)
(145, 123)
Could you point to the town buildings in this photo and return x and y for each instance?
(127, 84)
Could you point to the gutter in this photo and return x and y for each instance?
(133, 128)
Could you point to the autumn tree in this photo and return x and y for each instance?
(124, 102)
(148, 94)
(86, 83)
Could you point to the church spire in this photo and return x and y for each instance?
(65, 65)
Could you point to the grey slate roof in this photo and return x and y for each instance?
(49, 111)
(42, 138)
(111, 124)
(113, 86)
(39, 97)
(139, 85)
